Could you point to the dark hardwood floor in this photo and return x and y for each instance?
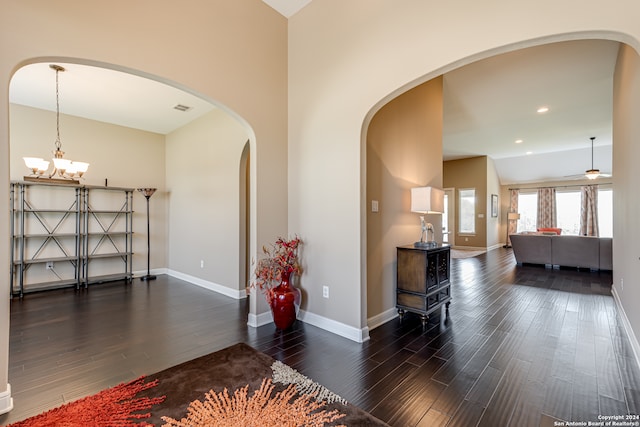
(522, 346)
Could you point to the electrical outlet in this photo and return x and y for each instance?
(201, 263)
(325, 292)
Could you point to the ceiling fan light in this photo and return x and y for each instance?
(592, 173)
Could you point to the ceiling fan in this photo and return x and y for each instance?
(592, 173)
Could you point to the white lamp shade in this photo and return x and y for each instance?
(61, 164)
(81, 167)
(36, 164)
(513, 215)
(427, 200)
(71, 168)
(44, 165)
(32, 162)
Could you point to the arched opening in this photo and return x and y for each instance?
(244, 189)
(385, 187)
(107, 119)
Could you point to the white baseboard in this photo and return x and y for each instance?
(627, 326)
(338, 328)
(221, 289)
(469, 248)
(382, 318)
(259, 320)
(354, 334)
(6, 401)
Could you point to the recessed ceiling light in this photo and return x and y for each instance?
(529, 152)
(519, 141)
(543, 109)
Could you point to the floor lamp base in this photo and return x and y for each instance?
(148, 277)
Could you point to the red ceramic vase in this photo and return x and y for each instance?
(285, 302)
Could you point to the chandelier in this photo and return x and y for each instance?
(64, 170)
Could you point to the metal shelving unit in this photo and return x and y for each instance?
(107, 235)
(54, 247)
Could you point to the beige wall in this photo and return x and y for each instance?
(341, 74)
(194, 217)
(203, 181)
(323, 93)
(123, 156)
(626, 197)
(470, 173)
(404, 150)
(493, 223)
(231, 53)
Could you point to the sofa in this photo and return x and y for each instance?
(594, 253)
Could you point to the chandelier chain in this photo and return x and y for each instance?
(64, 170)
(57, 143)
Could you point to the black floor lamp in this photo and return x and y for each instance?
(147, 193)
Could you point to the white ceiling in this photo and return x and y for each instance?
(106, 95)
(287, 8)
(490, 104)
(487, 106)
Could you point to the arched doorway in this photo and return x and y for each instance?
(400, 170)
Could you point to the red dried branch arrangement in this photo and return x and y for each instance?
(280, 258)
(116, 406)
(259, 410)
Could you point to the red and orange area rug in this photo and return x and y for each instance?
(116, 406)
(237, 386)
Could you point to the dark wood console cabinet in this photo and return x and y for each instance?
(423, 284)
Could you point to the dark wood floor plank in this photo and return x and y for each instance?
(414, 401)
(502, 403)
(585, 402)
(528, 408)
(607, 370)
(433, 418)
(559, 398)
(368, 399)
(467, 415)
(521, 345)
(457, 361)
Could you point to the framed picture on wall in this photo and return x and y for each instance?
(494, 205)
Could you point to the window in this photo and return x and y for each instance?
(445, 220)
(467, 210)
(568, 205)
(528, 209)
(568, 209)
(605, 212)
